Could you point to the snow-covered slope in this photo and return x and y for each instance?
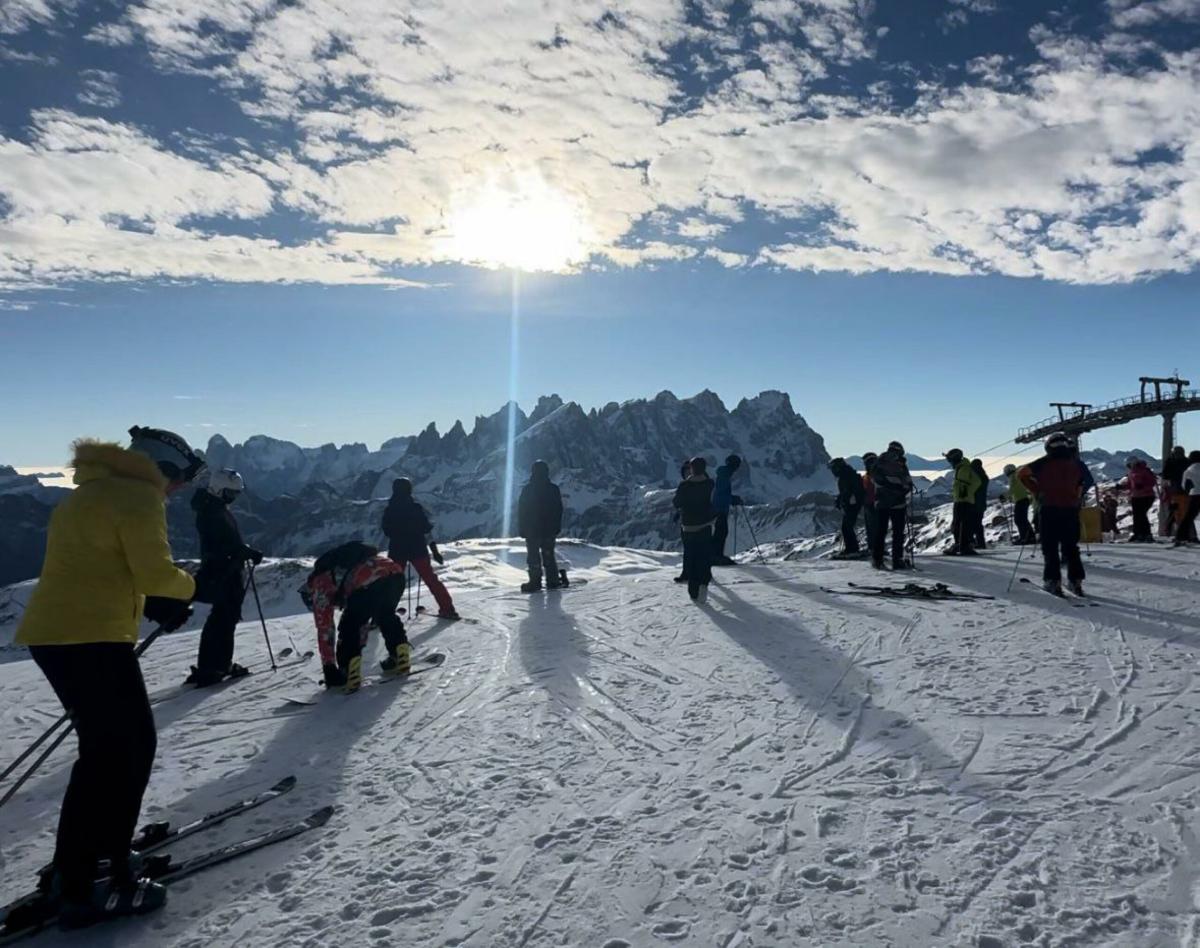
(612, 766)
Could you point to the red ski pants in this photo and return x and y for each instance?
(424, 569)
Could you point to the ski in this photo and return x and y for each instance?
(155, 836)
(1079, 602)
(34, 913)
(429, 662)
(937, 592)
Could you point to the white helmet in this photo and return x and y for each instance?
(225, 483)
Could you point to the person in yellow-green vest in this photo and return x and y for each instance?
(967, 484)
(1018, 494)
(107, 563)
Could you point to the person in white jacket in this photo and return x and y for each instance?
(1191, 484)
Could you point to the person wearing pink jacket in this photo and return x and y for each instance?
(1142, 484)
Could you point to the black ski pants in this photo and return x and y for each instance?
(720, 534)
(376, 602)
(539, 558)
(871, 521)
(1060, 541)
(1141, 519)
(1187, 526)
(100, 684)
(977, 528)
(697, 557)
(850, 529)
(963, 524)
(1021, 518)
(225, 590)
(896, 518)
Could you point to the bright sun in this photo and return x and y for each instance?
(531, 227)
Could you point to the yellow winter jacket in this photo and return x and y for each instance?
(107, 550)
(966, 482)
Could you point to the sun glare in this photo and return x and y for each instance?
(531, 227)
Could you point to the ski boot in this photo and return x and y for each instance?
(702, 598)
(204, 678)
(333, 676)
(450, 615)
(111, 898)
(534, 585)
(237, 671)
(353, 675)
(681, 578)
(398, 662)
(1053, 586)
(1077, 587)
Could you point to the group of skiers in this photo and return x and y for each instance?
(882, 493)
(703, 505)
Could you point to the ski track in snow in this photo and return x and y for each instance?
(614, 766)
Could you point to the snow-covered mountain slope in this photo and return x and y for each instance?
(613, 766)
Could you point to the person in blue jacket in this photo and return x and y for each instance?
(723, 498)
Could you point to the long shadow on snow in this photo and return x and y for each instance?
(553, 652)
(785, 646)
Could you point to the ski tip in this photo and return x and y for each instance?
(433, 658)
(320, 817)
(286, 783)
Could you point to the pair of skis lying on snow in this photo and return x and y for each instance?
(938, 592)
(35, 911)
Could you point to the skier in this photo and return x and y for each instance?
(410, 540)
(107, 564)
(850, 497)
(539, 519)
(1142, 486)
(1172, 489)
(1059, 480)
(870, 519)
(981, 500)
(966, 484)
(723, 499)
(367, 588)
(1190, 482)
(221, 580)
(685, 471)
(893, 484)
(1021, 499)
(693, 499)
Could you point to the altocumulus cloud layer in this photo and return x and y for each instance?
(800, 134)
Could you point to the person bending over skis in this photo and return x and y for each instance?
(410, 540)
(221, 579)
(107, 564)
(367, 588)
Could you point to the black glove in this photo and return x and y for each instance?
(168, 613)
(438, 558)
(251, 554)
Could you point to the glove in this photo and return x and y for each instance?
(168, 613)
(251, 554)
(438, 558)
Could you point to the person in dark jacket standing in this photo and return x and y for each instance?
(539, 519)
(723, 498)
(693, 499)
(981, 500)
(893, 484)
(221, 580)
(850, 497)
(1174, 502)
(410, 540)
(870, 518)
(685, 471)
(1059, 480)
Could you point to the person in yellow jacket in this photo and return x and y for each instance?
(1018, 495)
(107, 561)
(967, 483)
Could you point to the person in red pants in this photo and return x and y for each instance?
(410, 540)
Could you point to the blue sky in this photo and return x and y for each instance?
(922, 223)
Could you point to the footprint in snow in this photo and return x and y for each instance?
(671, 931)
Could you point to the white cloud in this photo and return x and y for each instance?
(408, 113)
(17, 16)
(99, 89)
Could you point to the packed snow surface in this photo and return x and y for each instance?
(612, 766)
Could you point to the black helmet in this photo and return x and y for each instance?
(1058, 441)
(836, 464)
(954, 455)
(1177, 451)
(1010, 469)
(540, 470)
(895, 446)
(174, 456)
(402, 487)
(699, 465)
(869, 458)
(733, 461)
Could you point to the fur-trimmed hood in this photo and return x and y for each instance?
(96, 459)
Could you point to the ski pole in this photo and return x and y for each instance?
(45, 755)
(262, 619)
(754, 537)
(408, 584)
(418, 592)
(1013, 578)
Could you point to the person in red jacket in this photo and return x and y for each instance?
(367, 588)
(1059, 480)
(1142, 485)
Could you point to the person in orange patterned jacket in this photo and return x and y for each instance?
(367, 588)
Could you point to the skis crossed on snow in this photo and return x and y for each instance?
(938, 592)
(35, 911)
